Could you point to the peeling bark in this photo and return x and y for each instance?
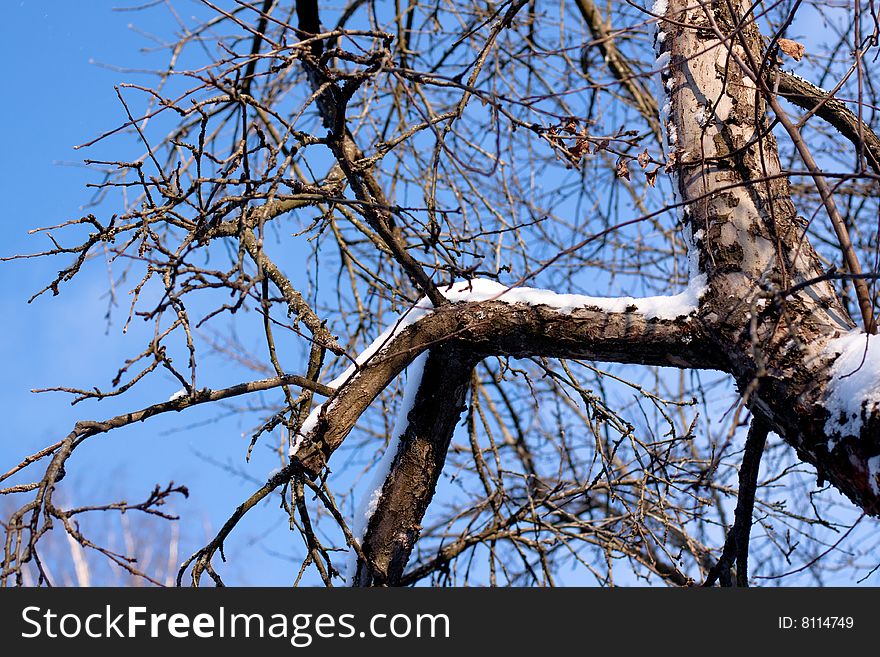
(751, 245)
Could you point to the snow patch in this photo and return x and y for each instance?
(480, 289)
(657, 307)
(663, 60)
(310, 423)
(855, 382)
(665, 110)
(177, 395)
(411, 316)
(874, 473)
(697, 281)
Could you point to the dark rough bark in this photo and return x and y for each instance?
(814, 99)
(396, 523)
(736, 547)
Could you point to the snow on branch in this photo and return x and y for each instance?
(854, 389)
(664, 307)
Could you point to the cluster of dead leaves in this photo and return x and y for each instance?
(571, 139)
(644, 159)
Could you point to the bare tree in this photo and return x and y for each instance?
(431, 171)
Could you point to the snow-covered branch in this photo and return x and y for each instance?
(488, 319)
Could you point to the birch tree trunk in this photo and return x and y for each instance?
(751, 243)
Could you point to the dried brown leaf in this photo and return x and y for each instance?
(793, 49)
(581, 147)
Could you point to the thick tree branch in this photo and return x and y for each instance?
(747, 241)
(793, 88)
(395, 524)
(863, 294)
(814, 99)
(760, 306)
(751, 247)
(496, 328)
